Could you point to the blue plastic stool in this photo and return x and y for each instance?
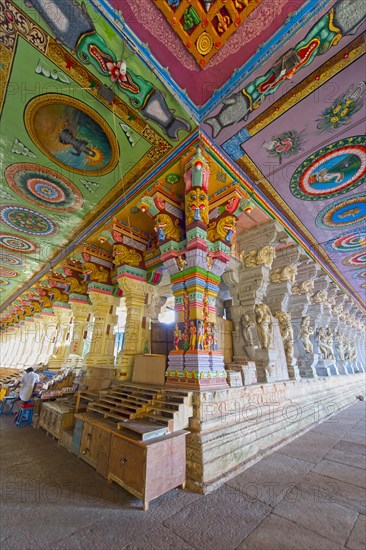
(25, 414)
(3, 405)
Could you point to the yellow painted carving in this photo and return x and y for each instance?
(171, 230)
(218, 231)
(196, 199)
(123, 255)
(76, 286)
(98, 274)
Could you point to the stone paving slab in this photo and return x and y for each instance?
(357, 537)
(311, 447)
(326, 489)
(349, 458)
(322, 517)
(270, 479)
(277, 533)
(358, 448)
(220, 521)
(341, 472)
(354, 438)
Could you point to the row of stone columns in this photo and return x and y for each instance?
(289, 317)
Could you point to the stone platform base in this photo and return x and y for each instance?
(233, 428)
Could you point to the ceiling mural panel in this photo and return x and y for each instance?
(204, 26)
(267, 18)
(80, 125)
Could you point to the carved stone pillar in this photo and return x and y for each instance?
(35, 330)
(319, 312)
(99, 360)
(81, 310)
(49, 325)
(11, 339)
(303, 326)
(282, 278)
(336, 311)
(62, 345)
(248, 284)
(134, 292)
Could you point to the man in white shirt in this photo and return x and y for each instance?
(27, 383)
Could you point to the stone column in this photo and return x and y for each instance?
(256, 331)
(303, 326)
(36, 329)
(336, 311)
(62, 344)
(49, 326)
(81, 309)
(282, 278)
(319, 313)
(134, 291)
(99, 361)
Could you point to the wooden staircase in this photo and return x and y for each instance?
(167, 407)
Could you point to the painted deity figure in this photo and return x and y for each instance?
(177, 336)
(305, 332)
(200, 334)
(264, 322)
(193, 336)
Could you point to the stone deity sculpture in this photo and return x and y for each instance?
(340, 345)
(246, 330)
(324, 348)
(330, 340)
(287, 334)
(264, 322)
(305, 332)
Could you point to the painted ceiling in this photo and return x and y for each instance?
(99, 102)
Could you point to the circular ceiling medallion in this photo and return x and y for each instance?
(343, 213)
(360, 275)
(8, 259)
(71, 134)
(356, 260)
(10, 273)
(204, 43)
(12, 242)
(331, 171)
(346, 243)
(44, 187)
(27, 220)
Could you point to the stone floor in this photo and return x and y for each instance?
(310, 494)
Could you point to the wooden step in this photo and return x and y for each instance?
(129, 395)
(109, 413)
(160, 408)
(175, 406)
(161, 420)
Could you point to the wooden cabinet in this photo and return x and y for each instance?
(56, 417)
(148, 469)
(95, 447)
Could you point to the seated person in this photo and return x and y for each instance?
(27, 383)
